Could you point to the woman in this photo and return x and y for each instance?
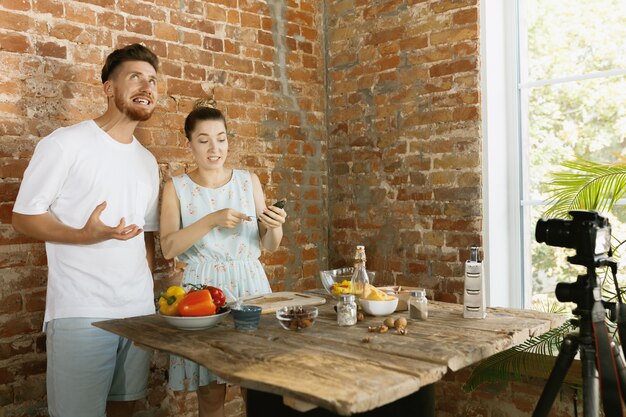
(215, 220)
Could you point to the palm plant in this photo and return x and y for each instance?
(586, 186)
(589, 186)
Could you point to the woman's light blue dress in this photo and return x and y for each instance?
(224, 258)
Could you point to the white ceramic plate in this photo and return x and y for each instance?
(196, 323)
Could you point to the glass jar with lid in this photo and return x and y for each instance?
(346, 310)
(418, 305)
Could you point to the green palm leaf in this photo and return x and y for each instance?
(591, 186)
(515, 362)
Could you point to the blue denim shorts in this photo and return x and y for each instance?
(88, 366)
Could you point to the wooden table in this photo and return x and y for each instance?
(344, 370)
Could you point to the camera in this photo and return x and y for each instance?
(588, 232)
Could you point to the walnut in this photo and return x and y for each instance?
(360, 316)
(365, 340)
(400, 323)
(402, 331)
(382, 328)
(372, 329)
(389, 322)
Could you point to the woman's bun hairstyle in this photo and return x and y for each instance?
(202, 103)
(203, 109)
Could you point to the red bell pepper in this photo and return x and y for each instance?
(197, 303)
(218, 296)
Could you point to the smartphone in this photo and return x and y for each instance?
(280, 203)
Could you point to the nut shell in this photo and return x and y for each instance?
(400, 323)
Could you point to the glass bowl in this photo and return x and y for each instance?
(296, 317)
(333, 276)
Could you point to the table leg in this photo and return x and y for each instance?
(418, 404)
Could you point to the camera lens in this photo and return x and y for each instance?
(555, 232)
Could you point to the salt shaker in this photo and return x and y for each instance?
(346, 310)
(418, 305)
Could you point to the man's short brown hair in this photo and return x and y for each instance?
(134, 52)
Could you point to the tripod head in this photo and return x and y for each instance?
(590, 234)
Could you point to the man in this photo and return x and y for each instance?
(91, 193)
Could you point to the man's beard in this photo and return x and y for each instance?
(136, 115)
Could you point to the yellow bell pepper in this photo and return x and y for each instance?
(168, 301)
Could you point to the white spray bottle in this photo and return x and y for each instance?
(474, 303)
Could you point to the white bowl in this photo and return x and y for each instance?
(196, 323)
(379, 308)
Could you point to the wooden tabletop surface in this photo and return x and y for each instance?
(344, 369)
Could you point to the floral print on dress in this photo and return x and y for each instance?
(225, 258)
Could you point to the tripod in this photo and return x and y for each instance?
(585, 292)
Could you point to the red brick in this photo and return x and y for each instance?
(192, 39)
(155, 46)
(171, 68)
(265, 38)
(191, 22)
(465, 113)
(53, 7)
(15, 21)
(448, 68)
(22, 5)
(138, 8)
(279, 257)
(454, 35)
(250, 20)
(387, 35)
(81, 14)
(35, 301)
(11, 42)
(224, 62)
(445, 5)
(138, 26)
(215, 13)
(12, 168)
(21, 325)
(213, 44)
(11, 304)
(111, 21)
(468, 16)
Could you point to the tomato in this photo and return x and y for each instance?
(197, 303)
(218, 296)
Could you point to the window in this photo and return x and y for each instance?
(554, 88)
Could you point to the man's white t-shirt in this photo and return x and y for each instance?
(72, 171)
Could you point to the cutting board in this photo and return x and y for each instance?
(272, 302)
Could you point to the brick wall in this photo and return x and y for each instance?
(364, 114)
(404, 138)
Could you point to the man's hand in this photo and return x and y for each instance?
(95, 231)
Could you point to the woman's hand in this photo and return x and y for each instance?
(228, 218)
(273, 217)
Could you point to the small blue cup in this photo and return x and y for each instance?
(247, 317)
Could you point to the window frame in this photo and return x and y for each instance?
(501, 130)
(506, 227)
